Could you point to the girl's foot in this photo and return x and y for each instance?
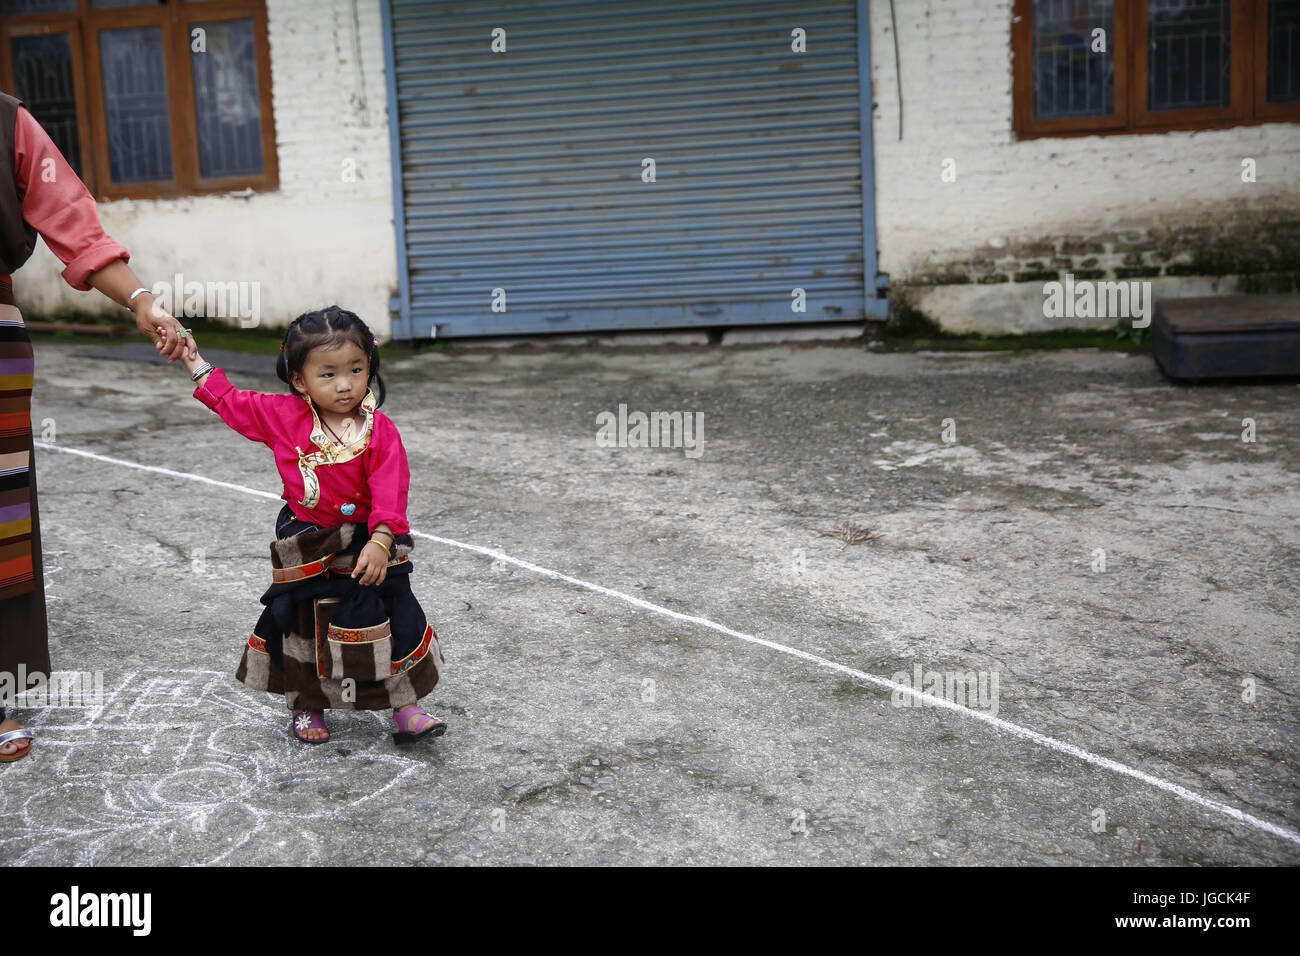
(309, 726)
(413, 723)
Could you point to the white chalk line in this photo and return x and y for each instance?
(920, 697)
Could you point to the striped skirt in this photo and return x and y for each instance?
(23, 636)
(384, 661)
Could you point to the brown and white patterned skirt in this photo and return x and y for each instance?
(297, 650)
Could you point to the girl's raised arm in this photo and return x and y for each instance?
(57, 204)
(250, 413)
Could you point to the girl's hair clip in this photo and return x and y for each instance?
(281, 346)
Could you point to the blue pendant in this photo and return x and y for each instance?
(348, 509)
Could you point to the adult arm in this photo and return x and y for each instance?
(117, 281)
(57, 204)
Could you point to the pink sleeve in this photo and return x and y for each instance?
(389, 476)
(252, 414)
(58, 205)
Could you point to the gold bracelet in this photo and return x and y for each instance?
(374, 542)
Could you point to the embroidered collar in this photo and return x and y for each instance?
(330, 452)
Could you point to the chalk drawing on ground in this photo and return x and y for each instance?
(144, 777)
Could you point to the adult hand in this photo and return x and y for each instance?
(154, 321)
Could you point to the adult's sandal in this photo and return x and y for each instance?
(10, 737)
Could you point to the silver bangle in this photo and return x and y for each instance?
(205, 369)
(130, 300)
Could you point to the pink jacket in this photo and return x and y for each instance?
(370, 474)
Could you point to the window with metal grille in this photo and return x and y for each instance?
(1069, 78)
(1282, 52)
(1130, 66)
(147, 98)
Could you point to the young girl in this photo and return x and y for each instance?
(341, 627)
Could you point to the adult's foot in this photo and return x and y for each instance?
(14, 749)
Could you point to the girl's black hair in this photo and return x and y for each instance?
(327, 328)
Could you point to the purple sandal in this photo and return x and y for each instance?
(305, 721)
(408, 717)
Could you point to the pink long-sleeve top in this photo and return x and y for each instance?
(376, 482)
(57, 204)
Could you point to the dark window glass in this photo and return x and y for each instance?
(1283, 51)
(1189, 54)
(43, 81)
(226, 103)
(135, 100)
(1070, 79)
(114, 4)
(11, 8)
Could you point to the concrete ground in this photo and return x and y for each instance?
(589, 726)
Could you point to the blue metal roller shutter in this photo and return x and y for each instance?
(522, 171)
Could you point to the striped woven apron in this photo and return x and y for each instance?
(16, 372)
(24, 631)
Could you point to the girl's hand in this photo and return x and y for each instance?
(372, 564)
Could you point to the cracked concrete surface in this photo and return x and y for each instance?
(561, 750)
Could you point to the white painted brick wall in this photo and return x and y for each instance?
(317, 240)
(955, 58)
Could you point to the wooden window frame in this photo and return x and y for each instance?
(1247, 84)
(52, 25)
(174, 19)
